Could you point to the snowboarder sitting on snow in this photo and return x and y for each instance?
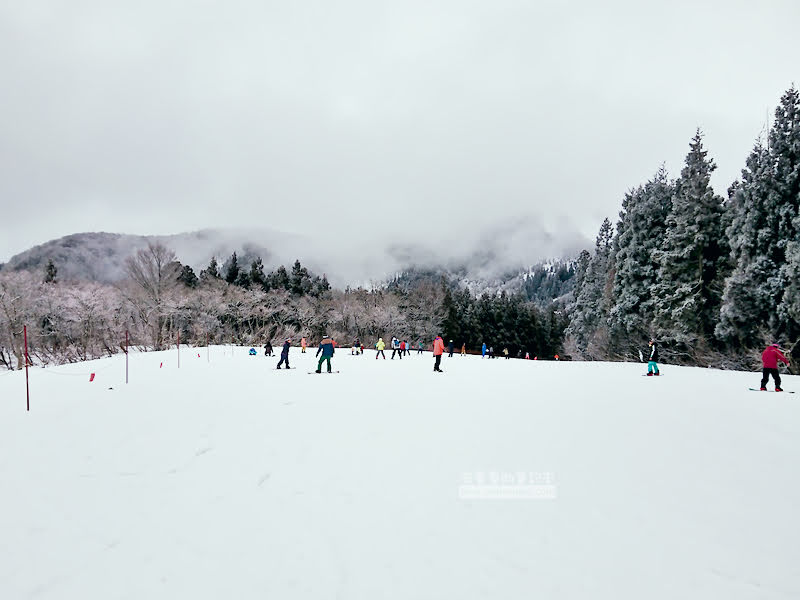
(285, 353)
(268, 349)
(326, 347)
(652, 367)
(770, 358)
(252, 352)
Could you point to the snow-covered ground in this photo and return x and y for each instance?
(229, 479)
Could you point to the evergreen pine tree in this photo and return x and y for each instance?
(689, 291)
(232, 271)
(243, 279)
(50, 272)
(640, 232)
(747, 302)
(785, 195)
(257, 276)
(299, 280)
(761, 294)
(279, 279)
(211, 271)
(588, 321)
(187, 277)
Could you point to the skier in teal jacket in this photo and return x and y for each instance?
(326, 347)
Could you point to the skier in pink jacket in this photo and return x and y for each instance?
(770, 358)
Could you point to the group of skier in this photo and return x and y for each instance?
(769, 364)
(769, 358)
(399, 348)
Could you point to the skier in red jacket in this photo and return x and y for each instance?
(769, 359)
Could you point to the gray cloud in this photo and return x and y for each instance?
(404, 123)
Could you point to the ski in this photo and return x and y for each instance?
(773, 391)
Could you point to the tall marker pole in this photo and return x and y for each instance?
(126, 356)
(27, 386)
(208, 350)
(179, 349)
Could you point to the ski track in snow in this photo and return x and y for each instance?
(219, 480)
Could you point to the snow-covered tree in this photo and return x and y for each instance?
(211, 271)
(152, 272)
(589, 317)
(232, 269)
(693, 253)
(50, 272)
(761, 295)
(640, 232)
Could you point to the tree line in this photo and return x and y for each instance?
(714, 279)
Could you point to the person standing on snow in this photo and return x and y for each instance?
(285, 353)
(396, 348)
(379, 346)
(652, 367)
(326, 347)
(463, 349)
(268, 348)
(421, 348)
(438, 350)
(769, 359)
(303, 345)
(450, 348)
(483, 350)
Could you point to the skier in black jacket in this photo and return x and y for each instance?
(285, 353)
(652, 367)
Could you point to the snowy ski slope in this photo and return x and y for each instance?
(229, 479)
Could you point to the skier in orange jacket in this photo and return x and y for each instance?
(438, 350)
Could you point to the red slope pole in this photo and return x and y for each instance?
(179, 349)
(27, 386)
(126, 356)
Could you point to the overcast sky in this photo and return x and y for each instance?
(391, 120)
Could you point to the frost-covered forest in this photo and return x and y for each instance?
(712, 278)
(162, 300)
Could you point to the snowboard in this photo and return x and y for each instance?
(773, 391)
(322, 372)
(282, 368)
(646, 375)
